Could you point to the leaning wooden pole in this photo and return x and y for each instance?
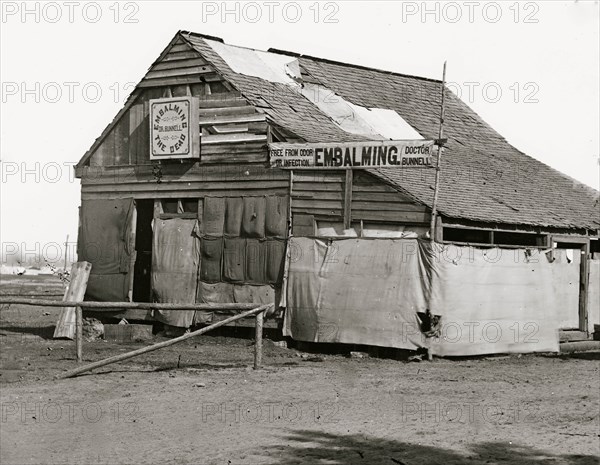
(436, 187)
(160, 345)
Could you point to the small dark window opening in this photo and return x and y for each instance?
(198, 89)
(180, 208)
(218, 88)
(179, 91)
(510, 238)
(190, 205)
(595, 246)
(506, 238)
(169, 206)
(473, 236)
(568, 245)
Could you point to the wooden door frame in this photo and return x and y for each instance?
(133, 255)
(584, 275)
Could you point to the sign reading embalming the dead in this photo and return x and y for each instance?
(372, 154)
(174, 130)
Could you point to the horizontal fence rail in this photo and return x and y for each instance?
(258, 311)
(247, 309)
(128, 305)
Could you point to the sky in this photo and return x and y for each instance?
(529, 69)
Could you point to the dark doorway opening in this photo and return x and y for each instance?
(142, 289)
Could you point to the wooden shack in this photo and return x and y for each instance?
(212, 226)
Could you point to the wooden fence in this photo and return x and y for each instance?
(258, 311)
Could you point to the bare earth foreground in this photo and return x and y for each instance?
(199, 402)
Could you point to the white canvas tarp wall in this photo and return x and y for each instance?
(356, 291)
(566, 278)
(364, 291)
(495, 301)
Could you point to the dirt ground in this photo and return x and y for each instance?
(200, 402)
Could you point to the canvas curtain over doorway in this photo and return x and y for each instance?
(105, 240)
(175, 261)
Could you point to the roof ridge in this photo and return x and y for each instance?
(353, 65)
(311, 57)
(197, 34)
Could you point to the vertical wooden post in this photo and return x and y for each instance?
(436, 187)
(348, 199)
(258, 336)
(583, 289)
(66, 251)
(157, 209)
(133, 251)
(439, 229)
(201, 214)
(79, 333)
(290, 225)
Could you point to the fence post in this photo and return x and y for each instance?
(79, 333)
(258, 342)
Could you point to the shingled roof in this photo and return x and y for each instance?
(484, 178)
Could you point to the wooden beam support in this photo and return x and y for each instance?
(438, 165)
(258, 336)
(233, 138)
(133, 255)
(232, 119)
(572, 239)
(289, 213)
(583, 289)
(157, 209)
(348, 199)
(439, 229)
(79, 333)
(584, 275)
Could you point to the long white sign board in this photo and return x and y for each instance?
(371, 154)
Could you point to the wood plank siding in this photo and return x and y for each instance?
(374, 201)
(183, 180)
(321, 194)
(234, 158)
(233, 142)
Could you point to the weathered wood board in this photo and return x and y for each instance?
(80, 273)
